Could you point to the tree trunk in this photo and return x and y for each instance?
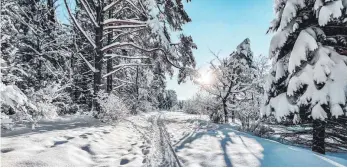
(137, 90)
(233, 116)
(233, 112)
(109, 60)
(98, 57)
(318, 144)
(225, 112)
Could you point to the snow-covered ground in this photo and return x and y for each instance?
(78, 141)
(142, 141)
(221, 145)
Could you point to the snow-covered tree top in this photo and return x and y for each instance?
(243, 51)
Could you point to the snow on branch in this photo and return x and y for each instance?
(124, 26)
(88, 10)
(92, 68)
(79, 26)
(122, 66)
(117, 44)
(133, 5)
(123, 21)
(109, 6)
(126, 57)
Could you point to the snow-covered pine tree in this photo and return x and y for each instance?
(36, 55)
(308, 79)
(150, 18)
(231, 78)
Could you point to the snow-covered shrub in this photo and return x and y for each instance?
(50, 101)
(6, 122)
(217, 115)
(199, 104)
(112, 107)
(11, 96)
(260, 129)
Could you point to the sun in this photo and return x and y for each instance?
(206, 77)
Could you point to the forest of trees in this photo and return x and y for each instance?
(113, 58)
(112, 53)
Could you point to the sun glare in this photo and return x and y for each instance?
(205, 78)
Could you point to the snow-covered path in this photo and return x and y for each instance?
(221, 145)
(144, 140)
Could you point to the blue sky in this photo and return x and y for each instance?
(220, 25)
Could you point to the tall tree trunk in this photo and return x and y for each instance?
(225, 112)
(109, 61)
(98, 56)
(318, 144)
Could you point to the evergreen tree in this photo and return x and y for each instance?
(309, 69)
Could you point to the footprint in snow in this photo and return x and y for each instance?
(68, 138)
(6, 150)
(87, 149)
(56, 143)
(145, 151)
(124, 161)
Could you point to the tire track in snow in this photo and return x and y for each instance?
(174, 161)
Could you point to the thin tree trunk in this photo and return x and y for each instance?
(225, 112)
(137, 91)
(318, 144)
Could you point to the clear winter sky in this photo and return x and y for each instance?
(219, 25)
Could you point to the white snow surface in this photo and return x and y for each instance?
(76, 141)
(222, 145)
(84, 141)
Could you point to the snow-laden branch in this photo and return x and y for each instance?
(111, 56)
(78, 25)
(109, 6)
(92, 68)
(119, 86)
(116, 45)
(89, 13)
(125, 26)
(124, 81)
(126, 33)
(134, 6)
(122, 66)
(122, 21)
